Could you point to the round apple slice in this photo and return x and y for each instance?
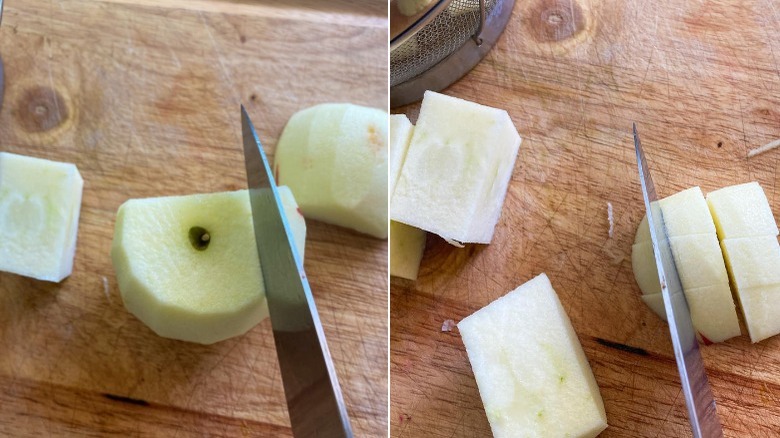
(187, 266)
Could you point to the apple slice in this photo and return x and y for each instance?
(400, 135)
(187, 266)
(407, 245)
(656, 303)
(645, 269)
(742, 211)
(532, 374)
(457, 169)
(334, 159)
(686, 213)
(40, 201)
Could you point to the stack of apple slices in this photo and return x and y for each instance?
(699, 262)
(455, 170)
(731, 235)
(748, 237)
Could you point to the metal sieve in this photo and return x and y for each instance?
(441, 44)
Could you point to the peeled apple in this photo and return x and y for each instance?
(40, 201)
(457, 169)
(187, 266)
(333, 157)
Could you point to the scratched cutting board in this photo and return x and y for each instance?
(703, 82)
(145, 100)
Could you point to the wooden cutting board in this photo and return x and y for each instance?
(702, 81)
(145, 100)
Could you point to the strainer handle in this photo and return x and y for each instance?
(478, 34)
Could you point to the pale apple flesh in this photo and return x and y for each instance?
(531, 371)
(406, 250)
(457, 169)
(40, 202)
(334, 159)
(187, 266)
(742, 211)
(699, 262)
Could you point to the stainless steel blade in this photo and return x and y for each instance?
(311, 387)
(1, 11)
(702, 413)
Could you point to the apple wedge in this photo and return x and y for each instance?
(457, 169)
(40, 201)
(187, 266)
(334, 159)
(532, 373)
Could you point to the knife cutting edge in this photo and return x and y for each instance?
(702, 413)
(314, 399)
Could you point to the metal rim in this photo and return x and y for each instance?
(419, 24)
(456, 65)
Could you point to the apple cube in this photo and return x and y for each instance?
(187, 266)
(742, 211)
(686, 213)
(40, 201)
(761, 308)
(713, 312)
(334, 159)
(400, 135)
(406, 250)
(752, 261)
(457, 169)
(699, 260)
(532, 373)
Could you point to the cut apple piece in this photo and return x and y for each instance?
(457, 169)
(532, 374)
(187, 266)
(406, 250)
(699, 260)
(742, 211)
(400, 135)
(713, 312)
(645, 268)
(686, 213)
(752, 261)
(334, 159)
(761, 309)
(40, 201)
(642, 231)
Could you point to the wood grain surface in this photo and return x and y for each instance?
(701, 79)
(144, 97)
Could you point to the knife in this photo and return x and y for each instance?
(314, 398)
(698, 397)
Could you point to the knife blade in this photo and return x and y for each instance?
(702, 413)
(314, 399)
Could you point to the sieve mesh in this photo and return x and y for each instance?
(438, 39)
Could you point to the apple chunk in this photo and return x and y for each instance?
(532, 373)
(187, 266)
(686, 213)
(400, 135)
(406, 250)
(457, 169)
(334, 159)
(40, 201)
(742, 211)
